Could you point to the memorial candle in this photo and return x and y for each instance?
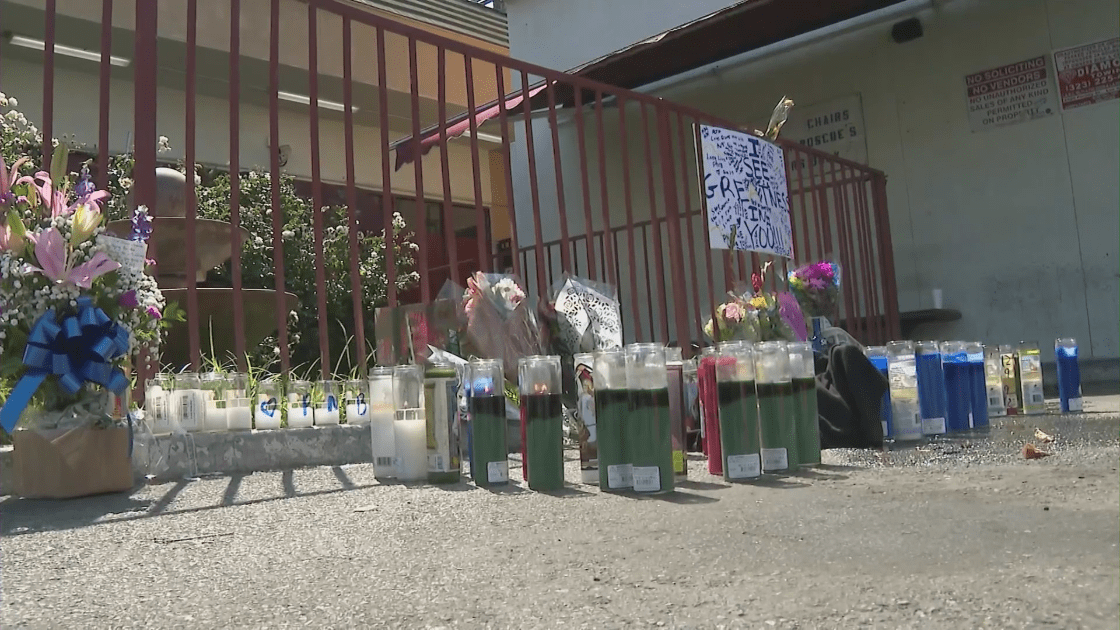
(489, 453)
(382, 411)
(326, 403)
(301, 413)
(267, 413)
(539, 378)
(738, 411)
(410, 425)
(612, 411)
(651, 443)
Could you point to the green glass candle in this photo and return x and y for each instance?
(648, 427)
(539, 378)
(776, 421)
(738, 412)
(803, 372)
(489, 453)
(612, 409)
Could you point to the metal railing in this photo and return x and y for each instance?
(577, 164)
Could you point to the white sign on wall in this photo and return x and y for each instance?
(746, 192)
(1015, 93)
(834, 126)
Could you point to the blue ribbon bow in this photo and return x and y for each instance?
(77, 350)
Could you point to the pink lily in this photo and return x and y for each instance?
(9, 178)
(50, 251)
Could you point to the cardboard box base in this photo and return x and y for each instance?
(64, 464)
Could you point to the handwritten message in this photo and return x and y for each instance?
(746, 192)
(130, 254)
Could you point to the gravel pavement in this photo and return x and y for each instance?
(958, 534)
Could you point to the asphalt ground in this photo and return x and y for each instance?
(960, 533)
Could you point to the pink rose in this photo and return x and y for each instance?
(733, 313)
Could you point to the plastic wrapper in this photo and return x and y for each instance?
(405, 333)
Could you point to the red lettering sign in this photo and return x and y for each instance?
(1088, 74)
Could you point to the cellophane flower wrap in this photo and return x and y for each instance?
(817, 288)
(586, 316)
(500, 322)
(76, 305)
(757, 315)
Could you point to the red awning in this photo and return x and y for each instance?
(458, 125)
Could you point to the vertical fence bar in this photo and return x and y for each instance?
(629, 206)
(357, 289)
(48, 83)
(565, 249)
(144, 133)
(445, 166)
(317, 191)
(503, 120)
(704, 226)
(672, 215)
(867, 249)
(418, 170)
(687, 214)
(589, 225)
(807, 253)
(481, 224)
(104, 87)
(610, 245)
(274, 174)
(843, 228)
(655, 225)
(856, 233)
(830, 182)
(527, 110)
(648, 275)
(820, 204)
(876, 272)
(235, 183)
(387, 209)
(886, 257)
(193, 319)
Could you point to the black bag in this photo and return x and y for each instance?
(849, 396)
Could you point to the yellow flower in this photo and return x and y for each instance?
(758, 302)
(86, 218)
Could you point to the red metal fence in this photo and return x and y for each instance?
(594, 180)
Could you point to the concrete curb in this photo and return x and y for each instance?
(170, 457)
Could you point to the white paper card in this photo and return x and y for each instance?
(933, 426)
(647, 479)
(497, 472)
(743, 466)
(620, 476)
(130, 254)
(775, 459)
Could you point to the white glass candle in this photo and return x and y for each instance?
(410, 431)
(268, 409)
(410, 425)
(356, 399)
(188, 403)
(326, 397)
(239, 407)
(157, 415)
(300, 412)
(381, 408)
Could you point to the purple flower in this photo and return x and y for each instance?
(128, 299)
(154, 313)
(141, 225)
(85, 185)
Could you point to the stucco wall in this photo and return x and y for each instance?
(1017, 225)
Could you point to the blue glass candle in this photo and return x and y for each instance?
(931, 387)
(1069, 374)
(958, 390)
(977, 377)
(878, 357)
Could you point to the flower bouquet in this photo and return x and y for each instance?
(500, 324)
(817, 289)
(75, 306)
(761, 316)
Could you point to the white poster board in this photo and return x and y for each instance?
(746, 192)
(1007, 95)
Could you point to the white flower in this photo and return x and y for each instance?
(12, 102)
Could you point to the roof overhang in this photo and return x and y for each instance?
(744, 26)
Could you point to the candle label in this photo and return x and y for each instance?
(1032, 394)
(497, 472)
(588, 439)
(744, 466)
(647, 479)
(775, 459)
(995, 397)
(1075, 404)
(190, 410)
(620, 476)
(933, 426)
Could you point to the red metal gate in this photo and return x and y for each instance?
(594, 180)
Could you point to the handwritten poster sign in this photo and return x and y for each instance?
(130, 254)
(746, 192)
(1088, 74)
(1015, 93)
